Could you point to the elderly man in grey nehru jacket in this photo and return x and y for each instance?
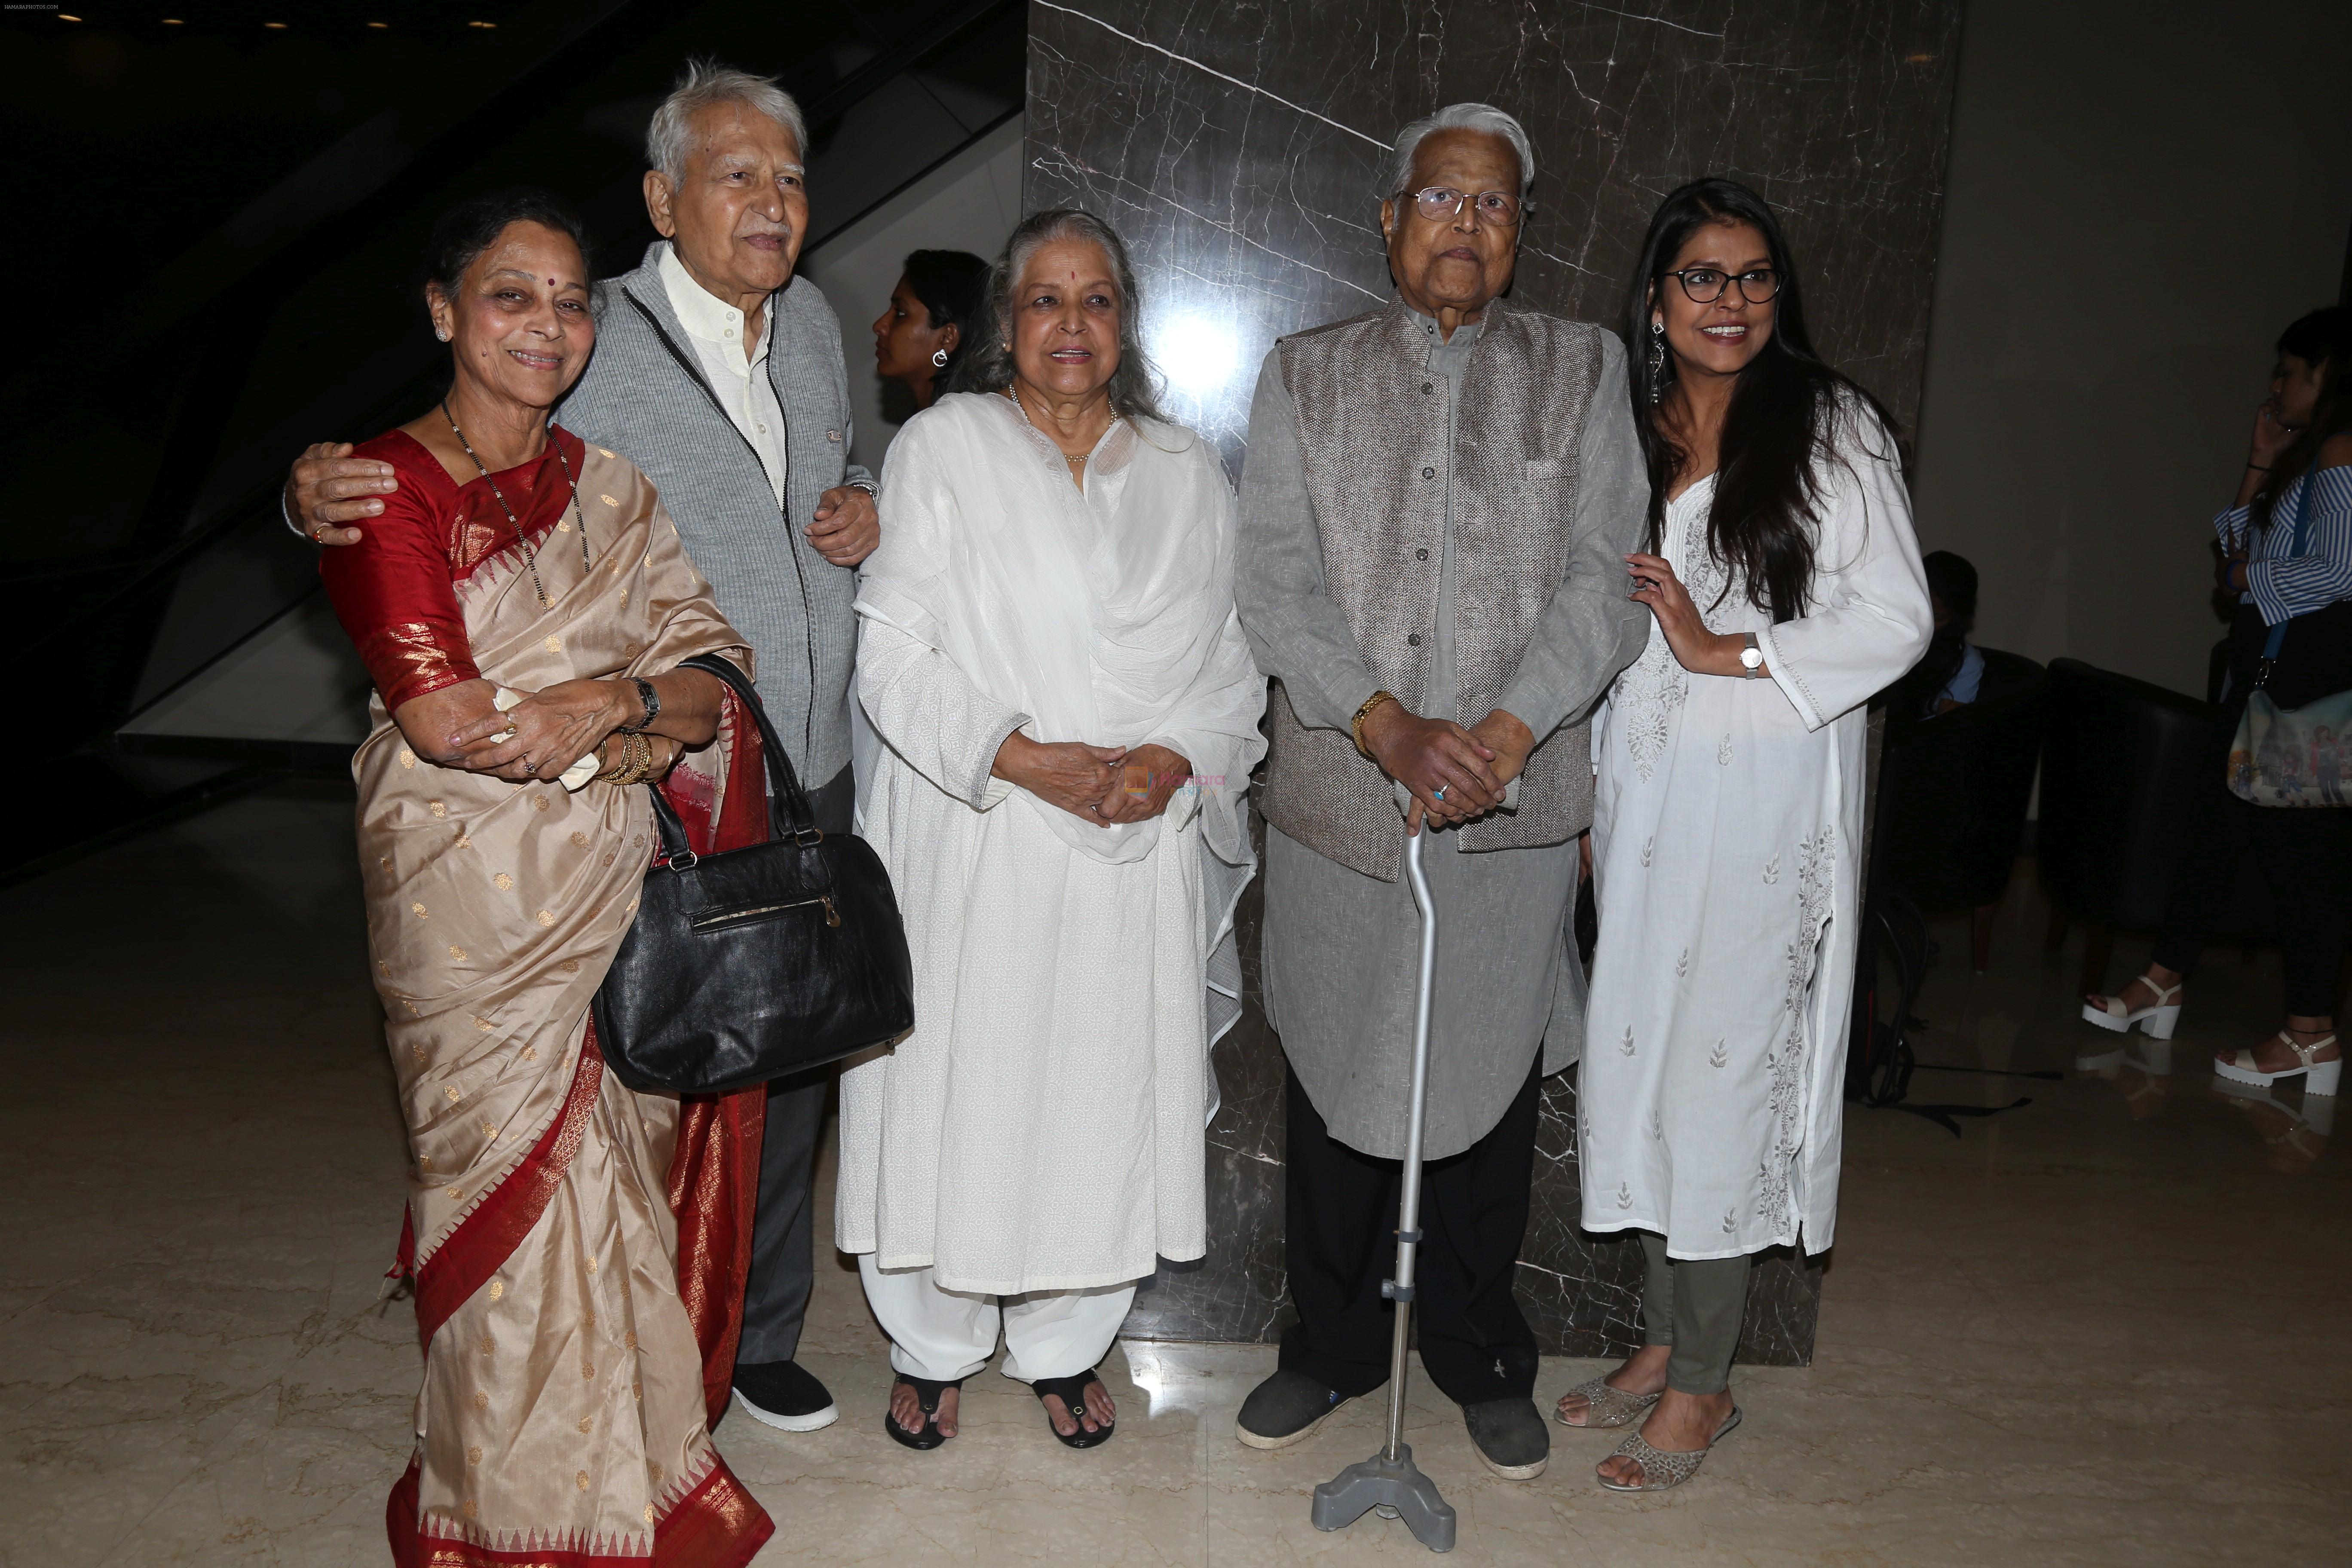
(1434, 514)
(719, 373)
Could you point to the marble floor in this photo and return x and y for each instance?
(2106, 1328)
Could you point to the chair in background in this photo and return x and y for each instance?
(2123, 765)
(1955, 789)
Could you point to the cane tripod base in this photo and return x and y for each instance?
(1397, 1490)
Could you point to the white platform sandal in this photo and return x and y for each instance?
(2157, 1021)
(2318, 1077)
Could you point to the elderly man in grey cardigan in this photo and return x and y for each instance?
(1434, 516)
(719, 373)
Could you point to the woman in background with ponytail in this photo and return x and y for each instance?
(2298, 479)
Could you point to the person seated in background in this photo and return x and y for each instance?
(1952, 593)
(1950, 674)
(923, 334)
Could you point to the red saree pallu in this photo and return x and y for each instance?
(579, 1249)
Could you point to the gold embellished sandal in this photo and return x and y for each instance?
(1605, 1407)
(1663, 1471)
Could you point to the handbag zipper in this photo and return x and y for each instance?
(736, 917)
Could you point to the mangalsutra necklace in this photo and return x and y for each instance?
(530, 555)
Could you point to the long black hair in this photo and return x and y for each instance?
(953, 286)
(2322, 339)
(1784, 409)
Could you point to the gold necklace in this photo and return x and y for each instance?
(530, 555)
(1076, 460)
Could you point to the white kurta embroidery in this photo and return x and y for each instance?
(1728, 816)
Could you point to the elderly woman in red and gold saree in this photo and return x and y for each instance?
(577, 1248)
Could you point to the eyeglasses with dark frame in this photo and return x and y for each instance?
(1501, 208)
(1704, 285)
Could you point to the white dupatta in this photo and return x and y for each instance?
(1101, 615)
(1107, 616)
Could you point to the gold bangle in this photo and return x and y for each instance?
(633, 762)
(1356, 725)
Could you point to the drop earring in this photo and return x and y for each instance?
(938, 359)
(1657, 361)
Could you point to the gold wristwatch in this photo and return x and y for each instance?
(1356, 725)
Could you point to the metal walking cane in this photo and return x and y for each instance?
(1390, 1481)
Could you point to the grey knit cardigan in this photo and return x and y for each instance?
(643, 395)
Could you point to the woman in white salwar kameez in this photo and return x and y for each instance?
(1068, 712)
(1786, 586)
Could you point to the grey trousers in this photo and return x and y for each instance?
(1694, 1305)
(783, 1225)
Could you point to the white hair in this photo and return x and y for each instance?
(669, 139)
(1484, 118)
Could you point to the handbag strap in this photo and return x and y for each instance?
(2277, 639)
(788, 816)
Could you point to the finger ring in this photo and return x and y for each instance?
(529, 767)
(1438, 793)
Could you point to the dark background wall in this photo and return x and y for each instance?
(1239, 147)
(2140, 198)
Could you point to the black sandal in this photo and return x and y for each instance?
(926, 1395)
(1072, 1392)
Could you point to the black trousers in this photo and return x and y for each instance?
(1341, 1213)
(2299, 861)
(783, 1225)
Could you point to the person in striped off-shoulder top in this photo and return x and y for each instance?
(2287, 553)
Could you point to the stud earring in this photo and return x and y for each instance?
(441, 332)
(938, 359)
(1657, 361)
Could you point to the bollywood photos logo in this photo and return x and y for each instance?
(1140, 781)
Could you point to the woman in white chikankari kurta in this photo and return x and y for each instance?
(1040, 1136)
(1726, 841)
(1786, 589)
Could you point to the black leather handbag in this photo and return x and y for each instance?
(751, 963)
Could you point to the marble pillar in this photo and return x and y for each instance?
(1241, 148)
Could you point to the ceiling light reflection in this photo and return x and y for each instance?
(1198, 353)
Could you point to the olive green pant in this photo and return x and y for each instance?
(1694, 1305)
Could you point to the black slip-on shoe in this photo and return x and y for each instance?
(1509, 1437)
(786, 1395)
(1286, 1408)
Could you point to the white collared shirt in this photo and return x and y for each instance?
(742, 383)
